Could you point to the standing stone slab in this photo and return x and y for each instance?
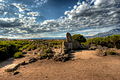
(70, 44)
(68, 37)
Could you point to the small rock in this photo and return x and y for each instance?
(32, 60)
(61, 57)
(15, 73)
(23, 63)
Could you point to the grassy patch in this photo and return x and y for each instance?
(18, 55)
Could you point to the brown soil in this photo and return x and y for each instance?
(85, 66)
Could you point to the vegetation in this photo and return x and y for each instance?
(48, 50)
(80, 38)
(15, 48)
(18, 55)
(9, 48)
(105, 52)
(110, 41)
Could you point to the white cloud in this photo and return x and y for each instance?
(20, 7)
(33, 14)
(77, 10)
(84, 18)
(104, 3)
(40, 2)
(1, 0)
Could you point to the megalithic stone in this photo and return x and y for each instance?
(68, 37)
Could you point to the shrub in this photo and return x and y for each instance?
(24, 47)
(48, 50)
(105, 52)
(7, 50)
(111, 53)
(46, 56)
(18, 55)
(80, 38)
(31, 47)
(110, 41)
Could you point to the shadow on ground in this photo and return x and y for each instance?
(6, 62)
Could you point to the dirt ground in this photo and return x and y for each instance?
(84, 66)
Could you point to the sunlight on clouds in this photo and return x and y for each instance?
(84, 18)
(1, 0)
(33, 13)
(20, 7)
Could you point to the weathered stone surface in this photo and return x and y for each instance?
(32, 60)
(66, 47)
(61, 57)
(68, 37)
(23, 63)
(12, 67)
(16, 72)
(70, 44)
(76, 45)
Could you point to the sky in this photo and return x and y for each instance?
(53, 18)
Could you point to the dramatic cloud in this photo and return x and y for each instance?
(40, 2)
(87, 17)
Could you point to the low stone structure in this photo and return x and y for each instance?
(70, 44)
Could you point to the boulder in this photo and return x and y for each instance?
(61, 57)
(11, 68)
(68, 37)
(70, 44)
(76, 45)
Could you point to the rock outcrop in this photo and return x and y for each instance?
(70, 44)
(12, 67)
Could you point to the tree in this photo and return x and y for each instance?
(80, 38)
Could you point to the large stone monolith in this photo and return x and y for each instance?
(68, 37)
(70, 44)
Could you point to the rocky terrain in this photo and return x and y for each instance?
(71, 61)
(86, 66)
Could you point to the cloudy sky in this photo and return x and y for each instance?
(53, 18)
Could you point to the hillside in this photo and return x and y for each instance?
(109, 33)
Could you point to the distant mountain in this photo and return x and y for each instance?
(47, 38)
(4, 39)
(111, 32)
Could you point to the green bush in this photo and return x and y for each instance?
(18, 55)
(79, 38)
(31, 47)
(46, 56)
(111, 53)
(24, 47)
(110, 41)
(48, 51)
